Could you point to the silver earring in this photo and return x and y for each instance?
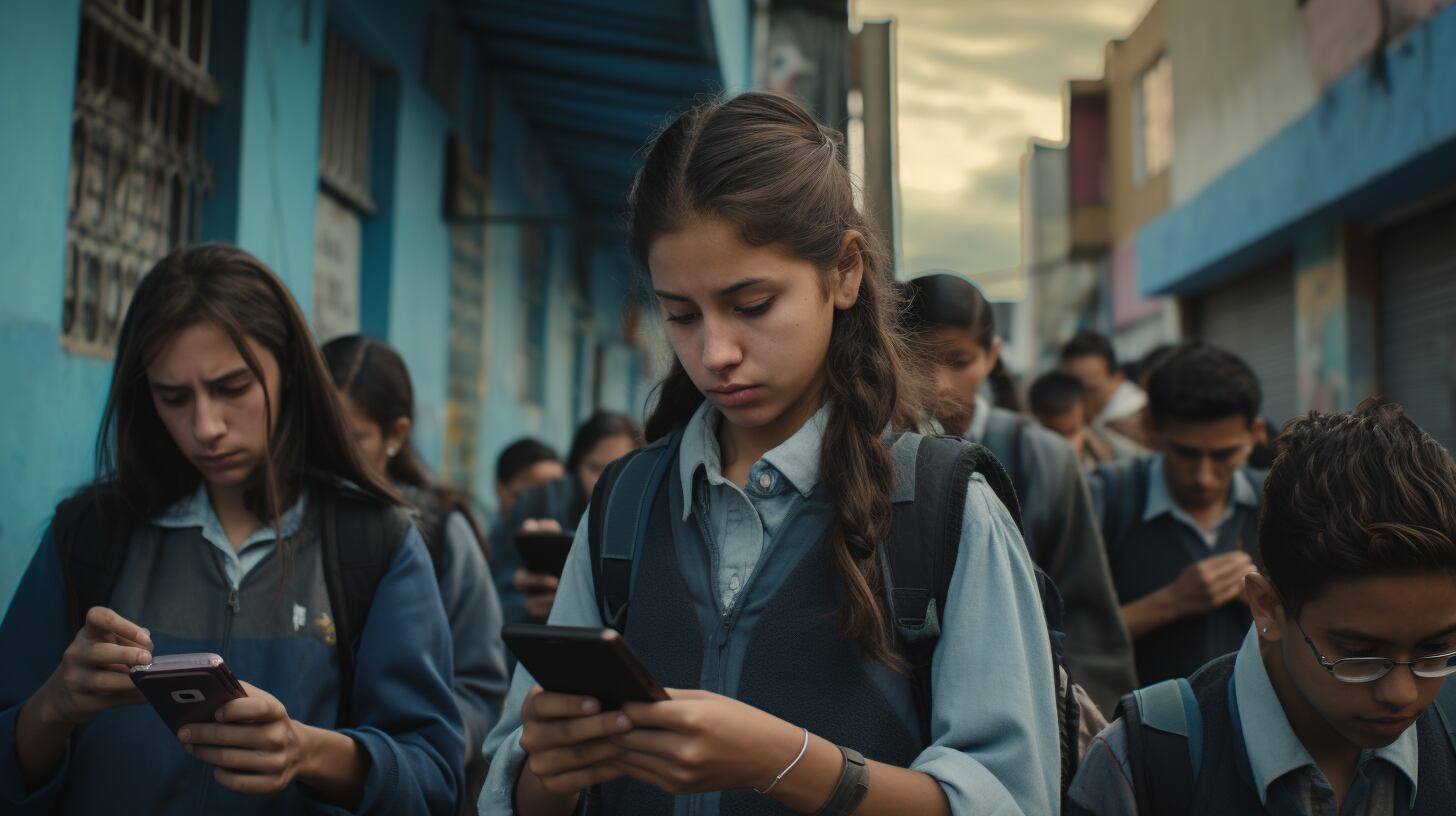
(1265, 630)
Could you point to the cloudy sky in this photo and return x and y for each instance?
(977, 78)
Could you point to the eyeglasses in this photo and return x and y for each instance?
(1370, 669)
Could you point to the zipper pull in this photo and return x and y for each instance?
(233, 599)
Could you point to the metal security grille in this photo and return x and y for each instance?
(1253, 317)
(138, 172)
(348, 107)
(469, 304)
(1417, 330)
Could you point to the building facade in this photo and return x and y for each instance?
(448, 177)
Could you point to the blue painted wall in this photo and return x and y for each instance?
(1366, 146)
(51, 406)
(263, 140)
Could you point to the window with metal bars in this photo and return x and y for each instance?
(138, 167)
(348, 105)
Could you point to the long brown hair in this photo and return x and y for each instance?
(761, 162)
(376, 378)
(224, 286)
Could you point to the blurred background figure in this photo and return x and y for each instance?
(1181, 525)
(557, 506)
(954, 326)
(378, 407)
(523, 465)
(1059, 402)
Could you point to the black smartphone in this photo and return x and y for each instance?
(544, 552)
(596, 663)
(187, 688)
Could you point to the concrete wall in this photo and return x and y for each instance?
(1239, 76)
(1132, 204)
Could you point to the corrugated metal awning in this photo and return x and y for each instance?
(596, 78)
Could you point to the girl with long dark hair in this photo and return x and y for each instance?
(378, 404)
(955, 325)
(226, 492)
(762, 608)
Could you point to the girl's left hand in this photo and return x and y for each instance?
(256, 748)
(699, 741)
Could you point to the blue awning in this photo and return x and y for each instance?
(596, 78)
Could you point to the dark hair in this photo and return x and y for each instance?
(760, 162)
(1088, 343)
(522, 454)
(944, 299)
(599, 426)
(377, 380)
(1353, 495)
(1200, 383)
(1149, 362)
(226, 287)
(1055, 393)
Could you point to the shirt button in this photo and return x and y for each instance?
(765, 481)
(734, 583)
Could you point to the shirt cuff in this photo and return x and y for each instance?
(499, 794)
(14, 794)
(381, 783)
(969, 787)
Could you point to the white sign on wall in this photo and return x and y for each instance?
(336, 252)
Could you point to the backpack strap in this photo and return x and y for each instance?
(932, 477)
(91, 532)
(621, 506)
(360, 538)
(1164, 728)
(1006, 431)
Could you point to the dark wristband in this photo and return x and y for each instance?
(850, 790)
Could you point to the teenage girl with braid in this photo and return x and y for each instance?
(762, 612)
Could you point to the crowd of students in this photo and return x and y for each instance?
(854, 607)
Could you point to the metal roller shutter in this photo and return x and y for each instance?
(1253, 317)
(1418, 320)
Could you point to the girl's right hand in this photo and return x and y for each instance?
(567, 742)
(94, 671)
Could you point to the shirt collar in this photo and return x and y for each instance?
(1269, 740)
(1160, 498)
(979, 419)
(196, 511)
(796, 458)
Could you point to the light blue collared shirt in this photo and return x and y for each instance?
(196, 511)
(744, 518)
(995, 745)
(1160, 501)
(1279, 763)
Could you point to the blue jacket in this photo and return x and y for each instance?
(277, 636)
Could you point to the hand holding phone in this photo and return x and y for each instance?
(92, 676)
(187, 688)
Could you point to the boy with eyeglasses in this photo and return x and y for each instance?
(1328, 706)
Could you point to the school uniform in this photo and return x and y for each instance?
(272, 620)
(1063, 536)
(741, 606)
(1266, 768)
(1151, 540)
(560, 501)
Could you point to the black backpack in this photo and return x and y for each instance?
(93, 531)
(1177, 728)
(934, 473)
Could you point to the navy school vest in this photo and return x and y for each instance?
(842, 699)
(1146, 556)
(1222, 781)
